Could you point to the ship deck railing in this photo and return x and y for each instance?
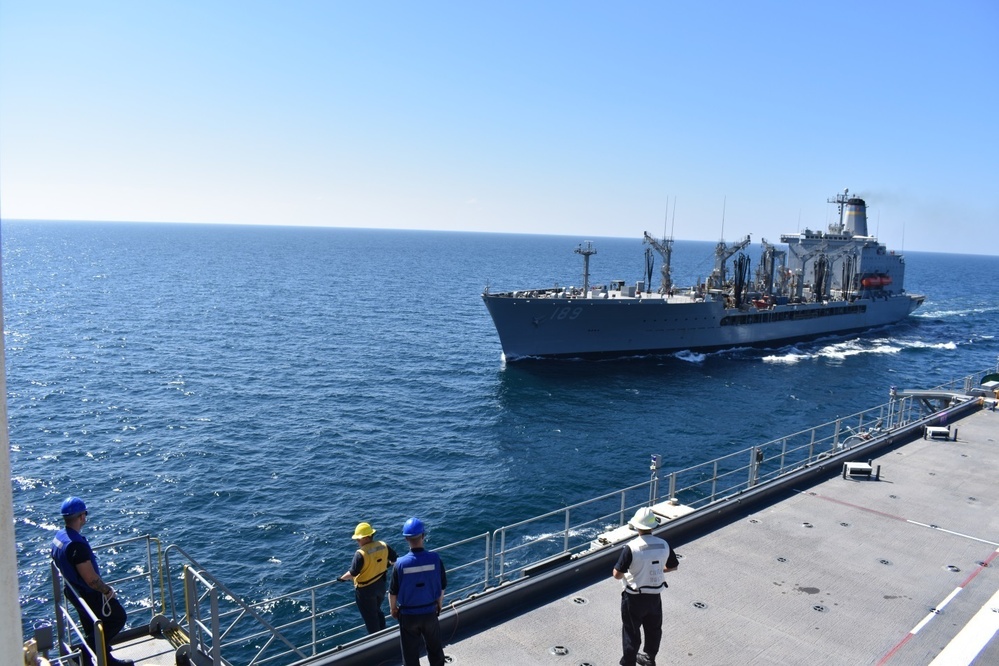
(530, 545)
(211, 624)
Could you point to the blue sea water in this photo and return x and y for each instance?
(251, 393)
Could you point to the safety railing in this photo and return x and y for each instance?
(729, 475)
(223, 628)
(529, 545)
(533, 544)
(69, 639)
(465, 559)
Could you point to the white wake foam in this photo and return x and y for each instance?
(840, 351)
(690, 357)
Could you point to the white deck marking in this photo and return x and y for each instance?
(940, 529)
(936, 611)
(992, 606)
(972, 639)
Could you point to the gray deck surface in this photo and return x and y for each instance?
(843, 572)
(147, 651)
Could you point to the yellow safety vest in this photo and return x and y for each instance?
(375, 563)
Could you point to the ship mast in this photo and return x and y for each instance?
(665, 249)
(722, 254)
(766, 272)
(840, 201)
(586, 252)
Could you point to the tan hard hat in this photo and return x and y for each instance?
(644, 519)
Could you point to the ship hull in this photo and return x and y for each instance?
(531, 327)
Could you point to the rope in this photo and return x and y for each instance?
(455, 631)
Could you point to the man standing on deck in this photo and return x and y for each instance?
(640, 567)
(416, 597)
(84, 587)
(368, 571)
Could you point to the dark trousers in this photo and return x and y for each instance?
(414, 630)
(640, 612)
(369, 603)
(113, 623)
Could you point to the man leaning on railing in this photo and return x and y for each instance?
(72, 553)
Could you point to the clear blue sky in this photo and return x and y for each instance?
(576, 118)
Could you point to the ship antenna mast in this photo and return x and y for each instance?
(586, 252)
(839, 201)
(665, 249)
(724, 202)
(672, 226)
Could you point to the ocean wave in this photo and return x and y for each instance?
(922, 344)
(789, 358)
(842, 350)
(42, 525)
(943, 314)
(690, 357)
(27, 483)
(589, 532)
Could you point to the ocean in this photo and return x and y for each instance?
(251, 393)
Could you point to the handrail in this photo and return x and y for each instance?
(456, 572)
(719, 479)
(63, 617)
(500, 536)
(208, 639)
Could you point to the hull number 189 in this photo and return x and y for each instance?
(567, 312)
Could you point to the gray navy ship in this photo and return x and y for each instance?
(834, 282)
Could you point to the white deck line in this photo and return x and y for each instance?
(973, 638)
(966, 536)
(935, 612)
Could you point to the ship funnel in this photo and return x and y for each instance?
(855, 216)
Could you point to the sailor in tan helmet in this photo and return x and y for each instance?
(641, 567)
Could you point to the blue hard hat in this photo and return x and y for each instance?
(413, 528)
(72, 506)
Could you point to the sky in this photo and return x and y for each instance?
(706, 120)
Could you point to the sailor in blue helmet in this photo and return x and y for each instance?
(641, 567)
(80, 571)
(416, 596)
